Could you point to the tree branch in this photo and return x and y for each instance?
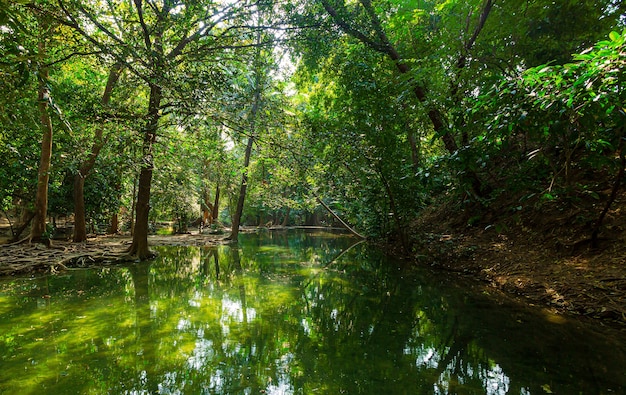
(484, 14)
(144, 27)
(70, 21)
(345, 26)
(67, 57)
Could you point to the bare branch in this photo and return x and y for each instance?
(142, 22)
(206, 29)
(67, 57)
(70, 20)
(345, 26)
(484, 14)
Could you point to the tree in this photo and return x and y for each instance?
(252, 131)
(38, 228)
(44, 54)
(80, 229)
(258, 83)
(440, 56)
(19, 125)
(153, 41)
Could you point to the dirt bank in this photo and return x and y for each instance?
(540, 253)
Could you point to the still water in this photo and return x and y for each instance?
(288, 312)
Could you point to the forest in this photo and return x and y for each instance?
(484, 137)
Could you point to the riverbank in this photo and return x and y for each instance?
(540, 253)
(541, 257)
(99, 250)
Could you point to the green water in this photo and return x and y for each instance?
(288, 313)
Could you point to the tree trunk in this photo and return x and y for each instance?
(313, 219)
(114, 225)
(415, 156)
(207, 207)
(275, 219)
(396, 213)
(80, 228)
(133, 206)
(41, 200)
(216, 204)
(234, 233)
(27, 217)
(286, 219)
(139, 246)
(382, 44)
(609, 202)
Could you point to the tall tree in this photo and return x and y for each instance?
(258, 83)
(373, 35)
(20, 129)
(80, 228)
(252, 126)
(443, 54)
(38, 227)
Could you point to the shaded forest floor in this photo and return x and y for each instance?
(540, 253)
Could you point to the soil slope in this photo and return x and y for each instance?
(540, 252)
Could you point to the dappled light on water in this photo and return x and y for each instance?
(287, 313)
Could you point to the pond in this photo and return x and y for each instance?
(288, 312)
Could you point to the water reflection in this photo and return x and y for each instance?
(286, 313)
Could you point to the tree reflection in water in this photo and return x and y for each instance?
(288, 313)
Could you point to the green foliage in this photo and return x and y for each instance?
(102, 190)
(555, 122)
(347, 128)
(174, 195)
(19, 128)
(362, 155)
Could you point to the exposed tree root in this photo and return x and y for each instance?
(24, 257)
(21, 258)
(21, 241)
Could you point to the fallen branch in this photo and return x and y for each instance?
(348, 227)
(335, 259)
